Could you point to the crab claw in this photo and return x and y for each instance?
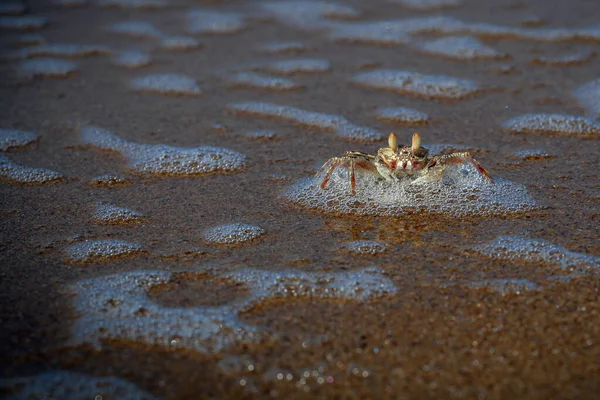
(393, 141)
(416, 142)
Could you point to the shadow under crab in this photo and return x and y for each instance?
(466, 189)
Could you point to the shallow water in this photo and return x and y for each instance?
(163, 234)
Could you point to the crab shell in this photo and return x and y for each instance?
(403, 160)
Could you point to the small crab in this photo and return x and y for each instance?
(394, 163)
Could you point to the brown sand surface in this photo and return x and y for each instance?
(437, 336)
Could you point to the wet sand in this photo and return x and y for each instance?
(453, 320)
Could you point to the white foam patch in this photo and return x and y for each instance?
(463, 191)
(160, 159)
(365, 247)
(109, 180)
(12, 8)
(214, 22)
(532, 154)
(402, 115)
(24, 23)
(107, 213)
(297, 66)
(567, 59)
(261, 81)
(66, 50)
(118, 306)
(444, 148)
(179, 43)
(588, 96)
(28, 39)
(73, 386)
(340, 125)
(313, 16)
(94, 250)
(414, 83)
(46, 67)
(505, 286)
(262, 135)
(16, 173)
(232, 234)
(460, 48)
(170, 84)
(284, 47)
(69, 3)
(383, 32)
(553, 123)
(138, 29)
(426, 5)
(135, 4)
(308, 14)
(132, 59)
(13, 138)
(524, 249)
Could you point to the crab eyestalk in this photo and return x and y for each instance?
(416, 143)
(393, 141)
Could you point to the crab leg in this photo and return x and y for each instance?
(333, 163)
(459, 158)
(352, 177)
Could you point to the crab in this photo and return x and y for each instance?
(394, 163)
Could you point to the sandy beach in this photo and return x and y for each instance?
(164, 236)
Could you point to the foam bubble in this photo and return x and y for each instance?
(402, 115)
(568, 59)
(553, 123)
(365, 247)
(232, 234)
(461, 192)
(23, 23)
(426, 5)
(179, 43)
(107, 213)
(214, 22)
(118, 306)
(284, 47)
(132, 59)
(101, 250)
(136, 4)
(308, 14)
(17, 173)
(340, 125)
(74, 386)
(47, 67)
(13, 138)
(523, 249)
(588, 96)
(109, 180)
(172, 84)
(430, 86)
(161, 159)
(252, 79)
(289, 67)
(460, 48)
(139, 29)
(12, 8)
